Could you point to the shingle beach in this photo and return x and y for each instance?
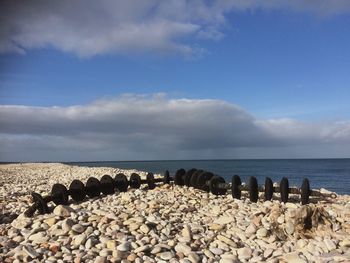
(167, 224)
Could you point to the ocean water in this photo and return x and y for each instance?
(332, 174)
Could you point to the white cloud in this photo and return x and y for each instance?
(89, 28)
(155, 127)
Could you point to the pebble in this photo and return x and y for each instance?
(30, 251)
(166, 255)
(125, 246)
(193, 257)
(216, 251)
(79, 240)
(330, 244)
(39, 238)
(293, 258)
(182, 248)
(145, 229)
(227, 241)
(167, 224)
(262, 232)
(186, 232)
(289, 227)
(63, 210)
(244, 253)
(78, 228)
(143, 248)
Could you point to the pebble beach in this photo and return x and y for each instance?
(167, 224)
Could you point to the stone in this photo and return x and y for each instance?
(144, 228)
(124, 246)
(78, 228)
(67, 224)
(344, 243)
(244, 253)
(262, 232)
(186, 232)
(251, 229)
(50, 221)
(193, 257)
(63, 210)
(156, 250)
(183, 248)
(227, 260)
(289, 227)
(223, 220)
(330, 244)
(38, 238)
(111, 244)
(293, 258)
(227, 241)
(30, 251)
(143, 248)
(166, 255)
(99, 259)
(21, 223)
(216, 251)
(79, 240)
(215, 227)
(268, 253)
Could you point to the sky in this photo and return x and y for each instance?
(160, 80)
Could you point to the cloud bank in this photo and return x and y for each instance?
(137, 127)
(89, 28)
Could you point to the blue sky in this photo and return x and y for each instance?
(273, 61)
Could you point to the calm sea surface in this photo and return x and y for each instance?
(333, 174)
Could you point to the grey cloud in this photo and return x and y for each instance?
(155, 127)
(89, 28)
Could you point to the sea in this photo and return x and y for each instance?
(332, 174)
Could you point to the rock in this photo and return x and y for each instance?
(21, 223)
(38, 238)
(144, 228)
(280, 219)
(67, 224)
(124, 246)
(244, 253)
(50, 221)
(100, 260)
(251, 229)
(215, 227)
(30, 251)
(262, 232)
(186, 232)
(227, 241)
(216, 251)
(111, 244)
(182, 248)
(227, 260)
(166, 255)
(79, 240)
(78, 228)
(293, 258)
(105, 253)
(344, 243)
(90, 243)
(63, 210)
(132, 257)
(193, 257)
(289, 227)
(223, 220)
(330, 244)
(268, 253)
(156, 250)
(143, 248)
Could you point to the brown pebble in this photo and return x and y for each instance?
(132, 257)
